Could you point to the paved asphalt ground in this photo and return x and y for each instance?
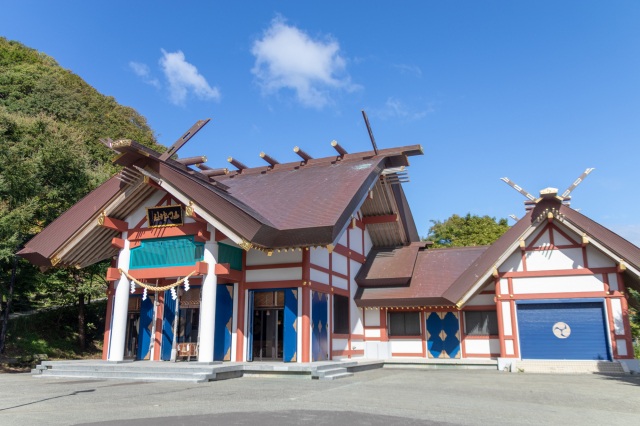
(376, 397)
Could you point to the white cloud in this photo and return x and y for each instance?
(183, 78)
(287, 58)
(395, 108)
(409, 69)
(142, 71)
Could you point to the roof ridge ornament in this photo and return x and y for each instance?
(549, 192)
(184, 139)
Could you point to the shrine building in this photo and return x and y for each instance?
(320, 259)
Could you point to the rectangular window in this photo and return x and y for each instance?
(341, 314)
(404, 323)
(481, 323)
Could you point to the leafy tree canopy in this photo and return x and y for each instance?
(469, 230)
(50, 157)
(32, 83)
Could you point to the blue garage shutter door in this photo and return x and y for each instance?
(563, 331)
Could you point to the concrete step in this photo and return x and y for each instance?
(130, 366)
(335, 376)
(128, 375)
(568, 367)
(442, 364)
(331, 373)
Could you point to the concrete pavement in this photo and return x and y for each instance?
(383, 396)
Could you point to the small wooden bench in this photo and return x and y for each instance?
(187, 350)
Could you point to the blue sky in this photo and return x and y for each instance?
(533, 90)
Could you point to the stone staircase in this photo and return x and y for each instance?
(199, 372)
(331, 373)
(127, 371)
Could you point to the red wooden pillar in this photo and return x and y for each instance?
(241, 313)
(157, 339)
(107, 322)
(241, 322)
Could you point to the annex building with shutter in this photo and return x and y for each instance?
(320, 259)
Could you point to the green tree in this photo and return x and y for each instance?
(469, 230)
(50, 156)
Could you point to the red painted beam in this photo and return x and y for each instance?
(117, 243)
(169, 231)
(113, 274)
(115, 224)
(223, 270)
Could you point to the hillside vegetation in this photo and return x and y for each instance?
(50, 156)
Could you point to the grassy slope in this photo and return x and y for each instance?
(53, 332)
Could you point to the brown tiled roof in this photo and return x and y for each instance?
(287, 205)
(614, 242)
(487, 260)
(44, 245)
(389, 267)
(434, 272)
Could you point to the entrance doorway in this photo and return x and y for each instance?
(139, 324)
(273, 325)
(268, 315)
(267, 334)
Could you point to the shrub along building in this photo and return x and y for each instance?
(320, 259)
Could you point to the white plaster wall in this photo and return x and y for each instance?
(567, 284)
(368, 244)
(561, 240)
(355, 239)
(339, 263)
(503, 286)
(275, 274)
(597, 259)
(506, 319)
(372, 317)
(481, 347)
(319, 257)
(372, 333)
(513, 263)
(616, 312)
(613, 282)
(490, 287)
(339, 282)
(481, 299)
(544, 239)
(509, 348)
(406, 346)
(621, 345)
(340, 344)
(546, 260)
(343, 239)
(377, 350)
(319, 276)
(357, 346)
(255, 257)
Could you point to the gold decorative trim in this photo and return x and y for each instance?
(101, 218)
(55, 261)
(245, 245)
(189, 210)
